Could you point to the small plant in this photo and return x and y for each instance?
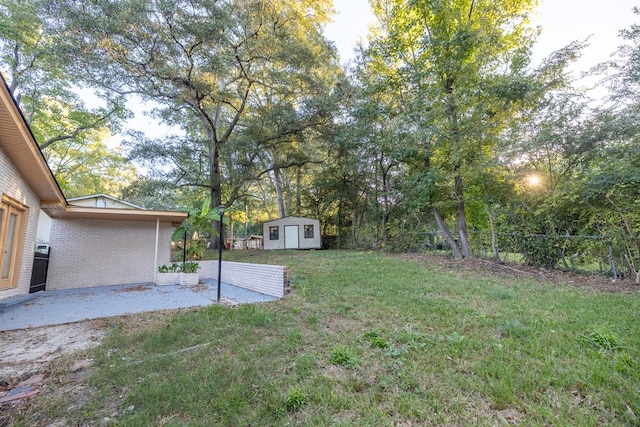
(295, 400)
(455, 338)
(341, 355)
(375, 340)
(602, 338)
(396, 352)
(512, 328)
(189, 267)
(173, 268)
(378, 342)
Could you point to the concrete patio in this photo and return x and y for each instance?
(65, 306)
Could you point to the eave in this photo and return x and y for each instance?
(18, 144)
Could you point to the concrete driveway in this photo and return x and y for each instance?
(72, 305)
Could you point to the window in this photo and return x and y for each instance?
(308, 231)
(274, 232)
(11, 226)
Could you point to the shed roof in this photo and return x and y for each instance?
(284, 219)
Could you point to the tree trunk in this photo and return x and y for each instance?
(277, 183)
(298, 191)
(385, 219)
(494, 237)
(215, 188)
(447, 234)
(246, 220)
(461, 219)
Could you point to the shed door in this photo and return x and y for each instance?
(291, 237)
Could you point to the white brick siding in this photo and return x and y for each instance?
(267, 279)
(13, 185)
(87, 253)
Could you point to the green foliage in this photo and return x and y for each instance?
(185, 267)
(342, 355)
(455, 338)
(539, 251)
(603, 338)
(72, 136)
(189, 267)
(295, 400)
(375, 340)
(173, 268)
(199, 223)
(512, 328)
(249, 83)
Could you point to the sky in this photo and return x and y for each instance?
(562, 21)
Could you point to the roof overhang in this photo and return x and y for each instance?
(18, 144)
(111, 214)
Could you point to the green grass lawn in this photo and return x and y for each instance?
(370, 339)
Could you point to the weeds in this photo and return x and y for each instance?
(295, 400)
(455, 338)
(341, 355)
(375, 340)
(512, 328)
(383, 318)
(603, 338)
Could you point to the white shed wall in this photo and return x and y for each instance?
(314, 242)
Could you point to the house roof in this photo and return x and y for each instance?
(116, 214)
(19, 145)
(106, 196)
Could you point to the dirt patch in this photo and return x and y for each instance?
(54, 354)
(27, 351)
(599, 283)
(139, 288)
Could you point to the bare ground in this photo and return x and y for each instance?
(597, 283)
(25, 353)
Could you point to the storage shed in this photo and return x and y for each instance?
(292, 232)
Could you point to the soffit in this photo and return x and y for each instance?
(114, 214)
(18, 144)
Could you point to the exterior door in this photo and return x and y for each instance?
(291, 240)
(11, 225)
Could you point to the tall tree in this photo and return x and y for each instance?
(204, 62)
(71, 135)
(464, 62)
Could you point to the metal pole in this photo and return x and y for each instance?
(220, 243)
(184, 247)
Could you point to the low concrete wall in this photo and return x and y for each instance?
(271, 280)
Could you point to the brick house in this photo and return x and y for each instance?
(90, 245)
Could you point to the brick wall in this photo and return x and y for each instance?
(86, 253)
(271, 280)
(13, 185)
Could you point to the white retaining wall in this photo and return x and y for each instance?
(271, 280)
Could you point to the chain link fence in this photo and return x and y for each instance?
(612, 256)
